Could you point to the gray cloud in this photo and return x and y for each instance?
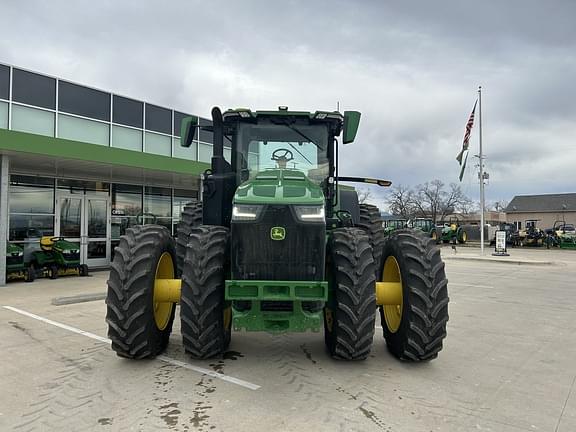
(412, 68)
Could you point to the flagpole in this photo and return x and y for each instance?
(481, 157)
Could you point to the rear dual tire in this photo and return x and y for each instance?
(205, 316)
(132, 314)
(190, 217)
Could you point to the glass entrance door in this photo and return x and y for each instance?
(85, 219)
(97, 226)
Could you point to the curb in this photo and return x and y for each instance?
(504, 261)
(82, 298)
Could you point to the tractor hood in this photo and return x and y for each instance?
(279, 186)
(62, 245)
(12, 249)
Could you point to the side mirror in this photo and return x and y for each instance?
(351, 123)
(188, 131)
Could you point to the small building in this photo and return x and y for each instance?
(545, 209)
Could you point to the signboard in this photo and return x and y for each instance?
(500, 247)
(118, 212)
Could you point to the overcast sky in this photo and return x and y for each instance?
(412, 68)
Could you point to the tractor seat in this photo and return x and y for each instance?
(46, 243)
(453, 227)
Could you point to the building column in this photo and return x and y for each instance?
(4, 184)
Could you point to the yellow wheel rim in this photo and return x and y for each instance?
(434, 235)
(464, 236)
(163, 310)
(393, 312)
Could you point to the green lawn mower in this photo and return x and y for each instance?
(15, 266)
(277, 245)
(453, 232)
(57, 257)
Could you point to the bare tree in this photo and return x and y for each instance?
(400, 201)
(432, 200)
(498, 206)
(467, 206)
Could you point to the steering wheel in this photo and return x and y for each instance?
(282, 155)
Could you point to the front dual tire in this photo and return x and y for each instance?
(139, 326)
(139, 323)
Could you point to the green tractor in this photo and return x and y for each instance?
(57, 257)
(427, 226)
(276, 245)
(452, 232)
(392, 225)
(15, 266)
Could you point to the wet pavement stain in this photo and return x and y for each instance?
(232, 355)
(307, 353)
(105, 421)
(373, 417)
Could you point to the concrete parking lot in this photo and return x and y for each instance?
(509, 364)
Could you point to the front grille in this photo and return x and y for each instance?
(276, 306)
(71, 256)
(300, 256)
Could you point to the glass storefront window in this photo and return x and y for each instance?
(31, 194)
(33, 89)
(181, 198)
(158, 144)
(83, 130)
(4, 82)
(70, 217)
(157, 202)
(25, 119)
(127, 111)
(4, 115)
(84, 101)
(126, 138)
(204, 152)
(80, 186)
(190, 153)
(126, 208)
(30, 227)
(158, 119)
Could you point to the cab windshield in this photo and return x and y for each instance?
(282, 146)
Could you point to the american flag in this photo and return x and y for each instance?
(463, 155)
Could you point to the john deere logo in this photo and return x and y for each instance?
(277, 233)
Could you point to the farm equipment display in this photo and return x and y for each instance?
(56, 257)
(276, 245)
(452, 232)
(427, 226)
(392, 225)
(531, 235)
(511, 234)
(15, 266)
(562, 235)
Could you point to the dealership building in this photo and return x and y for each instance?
(85, 164)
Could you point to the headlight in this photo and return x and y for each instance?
(243, 212)
(310, 213)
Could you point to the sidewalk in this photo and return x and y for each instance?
(519, 256)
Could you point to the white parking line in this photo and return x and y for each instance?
(163, 358)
